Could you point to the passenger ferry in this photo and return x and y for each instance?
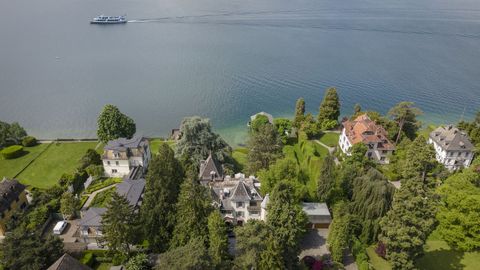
(102, 19)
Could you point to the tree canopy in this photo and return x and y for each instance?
(340, 231)
(405, 114)
(265, 147)
(198, 140)
(191, 256)
(163, 180)
(113, 124)
(251, 243)
(299, 113)
(11, 133)
(420, 159)
(258, 122)
(329, 110)
(326, 180)
(218, 241)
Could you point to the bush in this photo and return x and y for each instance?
(88, 259)
(29, 141)
(12, 152)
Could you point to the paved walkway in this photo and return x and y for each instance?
(330, 150)
(93, 194)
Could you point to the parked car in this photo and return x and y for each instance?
(59, 227)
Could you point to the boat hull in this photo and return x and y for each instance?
(105, 22)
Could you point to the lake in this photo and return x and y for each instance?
(227, 60)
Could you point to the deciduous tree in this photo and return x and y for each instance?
(326, 180)
(191, 256)
(340, 231)
(68, 205)
(420, 159)
(113, 124)
(251, 243)
(329, 108)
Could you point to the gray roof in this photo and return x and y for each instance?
(269, 116)
(317, 212)
(122, 144)
(9, 192)
(244, 192)
(451, 138)
(210, 166)
(93, 217)
(132, 190)
(67, 262)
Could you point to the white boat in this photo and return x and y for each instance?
(102, 19)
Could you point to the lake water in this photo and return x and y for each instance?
(228, 59)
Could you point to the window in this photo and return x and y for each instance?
(239, 204)
(240, 214)
(254, 213)
(253, 203)
(114, 171)
(108, 162)
(117, 163)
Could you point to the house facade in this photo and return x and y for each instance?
(452, 147)
(120, 156)
(366, 131)
(12, 198)
(238, 198)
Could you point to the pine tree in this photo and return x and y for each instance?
(251, 241)
(407, 225)
(329, 110)
(421, 159)
(287, 223)
(163, 180)
(405, 114)
(326, 180)
(265, 147)
(193, 208)
(299, 113)
(118, 224)
(217, 240)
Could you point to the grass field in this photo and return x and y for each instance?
(58, 159)
(155, 143)
(330, 139)
(11, 167)
(240, 157)
(376, 261)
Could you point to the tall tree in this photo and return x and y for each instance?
(326, 180)
(11, 133)
(251, 242)
(282, 169)
(192, 210)
(191, 256)
(265, 147)
(118, 224)
(23, 250)
(163, 180)
(283, 127)
(198, 141)
(420, 159)
(218, 241)
(372, 198)
(287, 223)
(405, 114)
(68, 205)
(258, 122)
(113, 124)
(340, 231)
(329, 110)
(299, 113)
(408, 223)
(459, 212)
(91, 157)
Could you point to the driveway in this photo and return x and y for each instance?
(314, 243)
(72, 227)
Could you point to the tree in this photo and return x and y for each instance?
(16, 132)
(118, 226)
(420, 159)
(357, 109)
(258, 122)
(326, 180)
(405, 114)
(371, 200)
(218, 240)
(23, 250)
(163, 180)
(299, 113)
(113, 124)
(459, 211)
(282, 169)
(329, 110)
(96, 171)
(68, 205)
(198, 141)
(408, 223)
(340, 233)
(138, 262)
(251, 242)
(265, 148)
(283, 127)
(191, 256)
(310, 126)
(193, 208)
(287, 223)
(91, 157)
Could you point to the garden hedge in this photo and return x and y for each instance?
(29, 141)
(12, 152)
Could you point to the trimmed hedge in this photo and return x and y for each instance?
(88, 259)
(12, 152)
(29, 141)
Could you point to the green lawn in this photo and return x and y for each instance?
(240, 157)
(330, 139)
(11, 167)
(103, 266)
(155, 143)
(377, 262)
(58, 159)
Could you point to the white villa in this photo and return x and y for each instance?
(452, 146)
(120, 156)
(364, 130)
(238, 198)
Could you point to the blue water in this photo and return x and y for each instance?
(229, 59)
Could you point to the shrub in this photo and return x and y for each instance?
(12, 152)
(29, 141)
(88, 259)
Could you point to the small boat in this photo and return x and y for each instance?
(102, 19)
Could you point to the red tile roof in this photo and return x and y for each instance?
(364, 130)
